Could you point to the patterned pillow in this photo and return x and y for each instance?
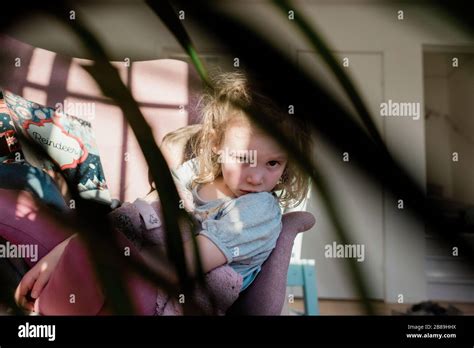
(10, 148)
(67, 139)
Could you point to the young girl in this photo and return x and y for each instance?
(235, 185)
(240, 178)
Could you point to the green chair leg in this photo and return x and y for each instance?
(310, 290)
(303, 273)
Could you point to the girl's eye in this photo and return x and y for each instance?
(273, 163)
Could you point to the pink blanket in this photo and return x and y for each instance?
(223, 283)
(24, 221)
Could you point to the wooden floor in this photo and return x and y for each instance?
(348, 307)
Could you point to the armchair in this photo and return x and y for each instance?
(161, 88)
(265, 296)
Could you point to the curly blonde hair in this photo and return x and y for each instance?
(219, 105)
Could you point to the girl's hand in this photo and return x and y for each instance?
(33, 282)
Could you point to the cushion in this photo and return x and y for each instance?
(67, 139)
(23, 176)
(10, 148)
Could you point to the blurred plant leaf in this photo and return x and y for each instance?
(459, 12)
(345, 81)
(294, 87)
(166, 13)
(109, 81)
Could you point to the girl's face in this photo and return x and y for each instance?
(250, 160)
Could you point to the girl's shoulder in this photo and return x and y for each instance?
(254, 204)
(258, 197)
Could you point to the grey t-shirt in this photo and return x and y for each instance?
(245, 228)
